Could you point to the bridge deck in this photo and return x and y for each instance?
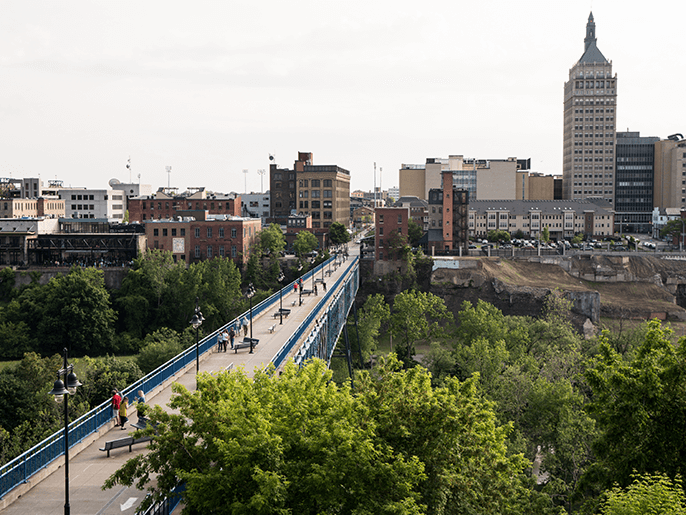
(89, 469)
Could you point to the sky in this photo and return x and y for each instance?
(213, 88)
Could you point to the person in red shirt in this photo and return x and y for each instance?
(116, 402)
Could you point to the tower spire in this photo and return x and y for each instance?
(590, 32)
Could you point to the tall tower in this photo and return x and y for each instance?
(590, 114)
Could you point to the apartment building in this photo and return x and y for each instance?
(166, 203)
(389, 223)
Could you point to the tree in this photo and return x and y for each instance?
(374, 313)
(158, 348)
(415, 317)
(338, 234)
(640, 408)
(646, 494)
(414, 232)
(305, 242)
(270, 241)
(545, 234)
(672, 228)
(498, 236)
(278, 443)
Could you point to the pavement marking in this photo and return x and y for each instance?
(111, 501)
(128, 504)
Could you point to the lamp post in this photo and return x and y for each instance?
(60, 393)
(280, 279)
(196, 322)
(250, 293)
(681, 240)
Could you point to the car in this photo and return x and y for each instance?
(472, 246)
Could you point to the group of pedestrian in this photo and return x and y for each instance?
(225, 338)
(120, 407)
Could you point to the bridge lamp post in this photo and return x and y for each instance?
(62, 395)
(250, 293)
(280, 279)
(196, 322)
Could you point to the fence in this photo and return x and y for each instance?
(21, 468)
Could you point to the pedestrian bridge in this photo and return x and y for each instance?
(34, 482)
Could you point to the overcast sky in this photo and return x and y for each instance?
(213, 88)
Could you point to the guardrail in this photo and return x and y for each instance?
(21, 468)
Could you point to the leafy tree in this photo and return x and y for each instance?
(415, 317)
(99, 376)
(270, 241)
(338, 233)
(578, 238)
(672, 228)
(280, 443)
(158, 348)
(374, 313)
(647, 494)
(640, 408)
(498, 235)
(7, 279)
(414, 232)
(304, 243)
(15, 339)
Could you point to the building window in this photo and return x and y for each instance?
(209, 232)
(197, 232)
(303, 194)
(183, 232)
(316, 193)
(221, 251)
(164, 232)
(327, 183)
(233, 232)
(155, 232)
(209, 251)
(400, 219)
(315, 204)
(233, 251)
(173, 232)
(197, 251)
(221, 233)
(315, 183)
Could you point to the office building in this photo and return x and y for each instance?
(255, 205)
(670, 173)
(166, 203)
(590, 113)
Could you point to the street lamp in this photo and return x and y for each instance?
(196, 322)
(250, 293)
(60, 393)
(280, 279)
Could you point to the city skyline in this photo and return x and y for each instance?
(214, 89)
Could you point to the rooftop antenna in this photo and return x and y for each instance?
(128, 166)
(380, 187)
(139, 179)
(245, 172)
(261, 172)
(168, 168)
(374, 184)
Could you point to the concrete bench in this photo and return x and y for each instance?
(272, 328)
(245, 343)
(129, 442)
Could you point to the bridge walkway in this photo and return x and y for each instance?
(89, 467)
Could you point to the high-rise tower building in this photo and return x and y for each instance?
(590, 113)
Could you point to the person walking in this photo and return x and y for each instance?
(116, 403)
(245, 327)
(232, 335)
(315, 290)
(220, 342)
(295, 288)
(123, 412)
(141, 397)
(324, 286)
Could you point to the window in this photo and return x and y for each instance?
(316, 194)
(327, 183)
(209, 251)
(164, 232)
(303, 204)
(197, 251)
(327, 215)
(197, 232)
(233, 232)
(400, 219)
(327, 193)
(315, 204)
(209, 232)
(327, 204)
(221, 251)
(315, 183)
(173, 232)
(221, 233)
(303, 194)
(303, 183)
(155, 232)
(380, 231)
(233, 251)
(183, 232)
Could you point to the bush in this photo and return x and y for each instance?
(158, 348)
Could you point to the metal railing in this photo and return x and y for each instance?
(21, 468)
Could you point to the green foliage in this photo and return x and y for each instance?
(338, 233)
(304, 243)
(415, 317)
(287, 443)
(498, 236)
(15, 339)
(270, 241)
(370, 318)
(545, 234)
(578, 238)
(7, 279)
(158, 348)
(414, 232)
(100, 376)
(647, 494)
(672, 228)
(640, 408)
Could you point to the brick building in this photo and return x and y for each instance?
(166, 204)
(31, 208)
(389, 221)
(209, 236)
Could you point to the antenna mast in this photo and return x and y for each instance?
(168, 168)
(128, 165)
(374, 184)
(245, 171)
(261, 172)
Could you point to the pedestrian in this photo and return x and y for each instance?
(245, 327)
(324, 286)
(225, 334)
(116, 402)
(232, 335)
(122, 412)
(315, 290)
(295, 288)
(141, 397)
(220, 342)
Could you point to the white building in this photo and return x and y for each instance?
(109, 204)
(255, 205)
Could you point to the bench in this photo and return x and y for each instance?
(328, 272)
(272, 328)
(283, 311)
(245, 343)
(307, 292)
(124, 442)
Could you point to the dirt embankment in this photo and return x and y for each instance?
(637, 287)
